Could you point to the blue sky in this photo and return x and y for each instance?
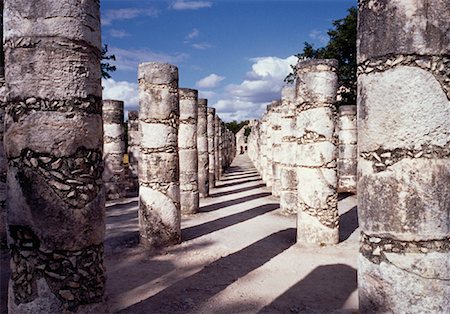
(235, 52)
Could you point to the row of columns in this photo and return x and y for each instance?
(63, 155)
(392, 148)
(295, 148)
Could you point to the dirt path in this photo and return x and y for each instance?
(238, 256)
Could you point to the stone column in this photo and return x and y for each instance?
(288, 172)
(220, 163)
(113, 149)
(318, 219)
(263, 135)
(347, 162)
(187, 142)
(202, 144)
(403, 156)
(134, 141)
(3, 160)
(53, 142)
(216, 148)
(159, 174)
(211, 146)
(276, 148)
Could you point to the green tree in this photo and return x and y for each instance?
(235, 126)
(341, 46)
(106, 66)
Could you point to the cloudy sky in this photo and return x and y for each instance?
(235, 52)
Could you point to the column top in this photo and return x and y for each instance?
(157, 73)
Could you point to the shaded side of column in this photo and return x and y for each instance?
(202, 144)
(134, 140)
(159, 173)
(3, 160)
(211, 147)
(347, 157)
(288, 172)
(318, 219)
(113, 149)
(53, 143)
(187, 142)
(404, 156)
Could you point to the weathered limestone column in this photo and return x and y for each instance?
(53, 142)
(288, 193)
(276, 148)
(113, 149)
(221, 135)
(3, 160)
(211, 147)
(134, 141)
(269, 147)
(318, 219)
(263, 135)
(202, 145)
(346, 166)
(159, 173)
(187, 142)
(404, 156)
(216, 148)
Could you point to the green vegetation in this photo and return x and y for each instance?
(106, 66)
(341, 46)
(235, 126)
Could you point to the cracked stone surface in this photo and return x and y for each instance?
(159, 172)
(202, 146)
(347, 156)
(403, 156)
(53, 143)
(187, 143)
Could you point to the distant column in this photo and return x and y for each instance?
(53, 142)
(3, 160)
(113, 148)
(159, 174)
(134, 140)
(202, 144)
(276, 148)
(269, 147)
(318, 219)
(288, 172)
(216, 148)
(347, 161)
(263, 136)
(211, 146)
(187, 142)
(404, 156)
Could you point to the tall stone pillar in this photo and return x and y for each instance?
(187, 142)
(220, 160)
(318, 219)
(403, 156)
(202, 144)
(3, 160)
(263, 134)
(276, 148)
(288, 172)
(134, 141)
(269, 147)
(346, 166)
(211, 146)
(216, 148)
(53, 142)
(159, 173)
(113, 149)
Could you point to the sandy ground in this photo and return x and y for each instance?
(238, 256)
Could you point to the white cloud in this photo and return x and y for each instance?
(126, 14)
(122, 90)
(117, 33)
(201, 46)
(260, 86)
(190, 5)
(206, 94)
(192, 34)
(129, 59)
(319, 36)
(210, 81)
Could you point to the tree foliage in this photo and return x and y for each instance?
(235, 126)
(106, 66)
(342, 47)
